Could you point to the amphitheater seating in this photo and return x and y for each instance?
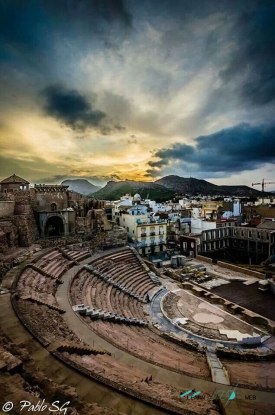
(75, 255)
(102, 291)
(123, 269)
(54, 263)
(37, 286)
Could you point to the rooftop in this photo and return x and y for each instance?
(267, 224)
(14, 179)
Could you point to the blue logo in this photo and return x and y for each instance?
(188, 392)
(223, 395)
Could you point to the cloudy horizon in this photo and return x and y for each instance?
(115, 90)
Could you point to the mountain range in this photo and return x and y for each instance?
(161, 190)
(169, 186)
(82, 186)
(113, 190)
(195, 187)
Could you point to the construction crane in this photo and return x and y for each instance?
(264, 183)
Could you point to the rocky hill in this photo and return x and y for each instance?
(195, 187)
(114, 190)
(186, 185)
(169, 186)
(82, 186)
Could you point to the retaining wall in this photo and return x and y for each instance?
(242, 270)
(204, 258)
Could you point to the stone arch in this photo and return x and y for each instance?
(54, 225)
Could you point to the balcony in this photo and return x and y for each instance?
(161, 243)
(143, 234)
(161, 232)
(152, 243)
(152, 233)
(141, 245)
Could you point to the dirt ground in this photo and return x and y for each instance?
(257, 374)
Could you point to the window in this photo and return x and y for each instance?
(53, 207)
(127, 228)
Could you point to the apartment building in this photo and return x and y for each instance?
(149, 234)
(245, 244)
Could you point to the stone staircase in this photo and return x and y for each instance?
(218, 371)
(154, 278)
(67, 256)
(36, 300)
(43, 272)
(110, 280)
(95, 314)
(151, 274)
(75, 348)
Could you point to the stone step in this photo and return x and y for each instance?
(36, 300)
(75, 348)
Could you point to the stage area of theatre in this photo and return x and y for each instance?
(204, 319)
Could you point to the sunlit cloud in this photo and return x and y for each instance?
(127, 96)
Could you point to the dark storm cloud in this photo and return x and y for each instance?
(30, 28)
(232, 150)
(253, 54)
(71, 108)
(90, 12)
(24, 34)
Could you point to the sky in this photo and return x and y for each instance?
(114, 90)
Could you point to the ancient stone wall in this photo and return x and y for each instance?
(42, 200)
(6, 196)
(115, 237)
(83, 225)
(58, 242)
(22, 208)
(46, 198)
(8, 236)
(6, 208)
(27, 229)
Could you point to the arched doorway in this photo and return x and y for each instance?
(54, 226)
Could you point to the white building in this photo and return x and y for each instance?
(149, 234)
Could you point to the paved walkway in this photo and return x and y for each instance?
(218, 372)
(159, 374)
